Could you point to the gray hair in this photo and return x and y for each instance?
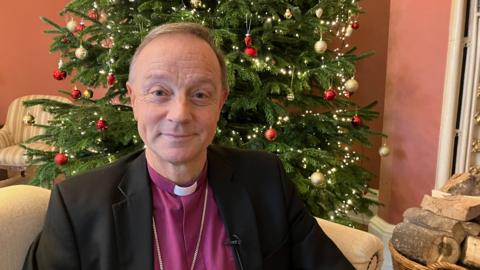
(194, 29)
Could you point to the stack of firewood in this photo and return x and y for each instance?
(446, 227)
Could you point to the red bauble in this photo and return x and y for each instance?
(251, 51)
(329, 94)
(60, 159)
(356, 120)
(101, 124)
(92, 14)
(80, 27)
(355, 25)
(59, 74)
(271, 134)
(111, 79)
(248, 40)
(75, 93)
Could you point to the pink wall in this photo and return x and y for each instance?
(417, 43)
(27, 66)
(372, 36)
(417, 48)
(31, 57)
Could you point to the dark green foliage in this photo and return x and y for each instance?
(281, 88)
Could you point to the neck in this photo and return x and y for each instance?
(182, 174)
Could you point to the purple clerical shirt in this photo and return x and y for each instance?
(178, 220)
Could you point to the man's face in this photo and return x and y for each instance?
(177, 97)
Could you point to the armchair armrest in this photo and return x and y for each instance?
(362, 249)
(5, 138)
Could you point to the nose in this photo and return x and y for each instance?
(180, 110)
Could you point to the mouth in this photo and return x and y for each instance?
(177, 135)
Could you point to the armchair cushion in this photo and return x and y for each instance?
(22, 212)
(362, 249)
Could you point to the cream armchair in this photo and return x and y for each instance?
(23, 207)
(15, 131)
(362, 249)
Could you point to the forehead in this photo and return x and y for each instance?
(178, 50)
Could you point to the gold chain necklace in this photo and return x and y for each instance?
(197, 247)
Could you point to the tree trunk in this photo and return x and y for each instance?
(471, 252)
(471, 228)
(424, 245)
(463, 208)
(424, 218)
(463, 184)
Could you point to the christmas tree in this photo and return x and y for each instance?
(291, 73)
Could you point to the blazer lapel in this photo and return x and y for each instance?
(235, 208)
(132, 217)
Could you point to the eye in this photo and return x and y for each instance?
(158, 93)
(200, 95)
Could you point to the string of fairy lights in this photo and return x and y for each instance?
(341, 28)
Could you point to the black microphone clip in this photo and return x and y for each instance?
(234, 241)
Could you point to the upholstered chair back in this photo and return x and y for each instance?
(17, 111)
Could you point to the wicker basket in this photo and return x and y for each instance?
(401, 263)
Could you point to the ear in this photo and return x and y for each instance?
(224, 97)
(132, 96)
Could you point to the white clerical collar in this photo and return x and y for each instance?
(185, 191)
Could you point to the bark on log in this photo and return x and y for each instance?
(463, 208)
(424, 245)
(424, 218)
(471, 252)
(471, 228)
(463, 184)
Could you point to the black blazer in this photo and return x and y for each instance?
(102, 219)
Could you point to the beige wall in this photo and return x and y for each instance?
(417, 49)
(26, 66)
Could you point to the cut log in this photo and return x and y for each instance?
(464, 208)
(424, 245)
(471, 228)
(424, 218)
(471, 252)
(463, 184)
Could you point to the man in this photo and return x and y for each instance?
(181, 204)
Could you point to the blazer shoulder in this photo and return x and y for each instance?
(100, 180)
(239, 156)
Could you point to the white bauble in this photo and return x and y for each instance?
(319, 12)
(317, 178)
(196, 3)
(348, 31)
(71, 25)
(288, 14)
(320, 46)
(384, 151)
(29, 119)
(351, 85)
(81, 53)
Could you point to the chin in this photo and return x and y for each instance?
(176, 156)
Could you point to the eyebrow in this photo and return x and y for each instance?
(154, 78)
